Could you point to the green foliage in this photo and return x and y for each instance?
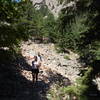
(77, 90)
(64, 1)
(49, 27)
(20, 20)
(12, 28)
(55, 93)
(67, 57)
(81, 86)
(78, 29)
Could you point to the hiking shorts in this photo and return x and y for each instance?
(36, 71)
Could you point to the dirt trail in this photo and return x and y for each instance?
(52, 60)
(54, 70)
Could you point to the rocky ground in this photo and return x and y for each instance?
(55, 69)
(51, 60)
(16, 78)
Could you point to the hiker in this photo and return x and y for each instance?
(39, 57)
(36, 63)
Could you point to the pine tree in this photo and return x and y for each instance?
(79, 29)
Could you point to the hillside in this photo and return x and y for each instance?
(53, 5)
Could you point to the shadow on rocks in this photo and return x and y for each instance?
(13, 85)
(58, 79)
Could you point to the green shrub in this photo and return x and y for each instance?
(80, 87)
(67, 57)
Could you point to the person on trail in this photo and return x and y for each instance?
(36, 63)
(39, 56)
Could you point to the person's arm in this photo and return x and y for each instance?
(39, 56)
(39, 64)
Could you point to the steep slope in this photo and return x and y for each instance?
(53, 5)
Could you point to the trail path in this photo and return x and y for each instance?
(55, 69)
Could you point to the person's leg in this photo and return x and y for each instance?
(36, 77)
(37, 74)
(33, 77)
